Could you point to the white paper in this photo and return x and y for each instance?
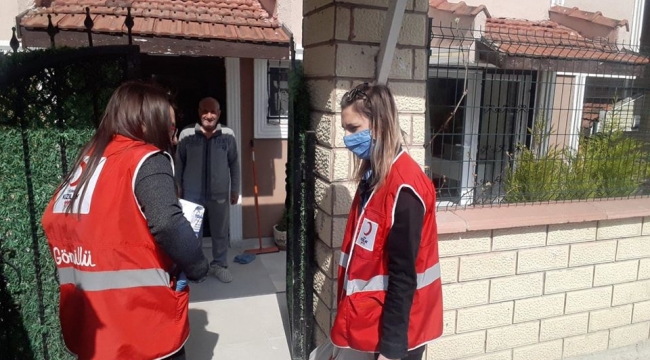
(194, 214)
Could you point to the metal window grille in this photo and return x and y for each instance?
(278, 93)
(519, 116)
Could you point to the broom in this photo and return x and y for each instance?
(260, 249)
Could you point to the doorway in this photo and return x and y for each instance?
(189, 79)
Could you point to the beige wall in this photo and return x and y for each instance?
(562, 112)
(290, 14)
(620, 9)
(270, 156)
(9, 9)
(545, 292)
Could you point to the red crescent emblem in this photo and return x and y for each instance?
(366, 233)
(77, 174)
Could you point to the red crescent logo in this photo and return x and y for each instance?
(366, 233)
(77, 174)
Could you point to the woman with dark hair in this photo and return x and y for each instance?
(119, 238)
(389, 291)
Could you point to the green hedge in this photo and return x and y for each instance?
(39, 311)
(60, 103)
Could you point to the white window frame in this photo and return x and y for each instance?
(578, 102)
(637, 24)
(557, 2)
(264, 130)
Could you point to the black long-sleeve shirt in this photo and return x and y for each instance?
(402, 247)
(155, 190)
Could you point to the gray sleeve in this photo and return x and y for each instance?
(233, 163)
(155, 191)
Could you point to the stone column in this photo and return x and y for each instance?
(341, 40)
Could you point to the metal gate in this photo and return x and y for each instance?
(300, 199)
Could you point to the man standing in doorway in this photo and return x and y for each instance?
(207, 172)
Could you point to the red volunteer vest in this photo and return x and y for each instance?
(116, 298)
(363, 271)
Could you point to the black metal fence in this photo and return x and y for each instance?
(525, 112)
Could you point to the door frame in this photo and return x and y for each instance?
(233, 108)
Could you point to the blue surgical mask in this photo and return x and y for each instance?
(359, 143)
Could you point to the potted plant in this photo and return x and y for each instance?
(280, 231)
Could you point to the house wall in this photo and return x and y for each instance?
(9, 9)
(623, 9)
(562, 113)
(545, 292)
(270, 156)
(531, 10)
(290, 14)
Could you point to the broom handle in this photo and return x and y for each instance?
(257, 207)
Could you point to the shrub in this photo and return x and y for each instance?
(607, 164)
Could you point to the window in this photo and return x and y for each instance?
(271, 99)
(278, 90)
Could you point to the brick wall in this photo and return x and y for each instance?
(545, 292)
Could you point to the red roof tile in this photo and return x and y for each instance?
(591, 113)
(460, 8)
(549, 39)
(243, 20)
(594, 17)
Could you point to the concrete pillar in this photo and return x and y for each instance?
(341, 40)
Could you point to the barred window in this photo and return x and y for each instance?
(278, 93)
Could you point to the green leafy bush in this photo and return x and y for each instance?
(607, 164)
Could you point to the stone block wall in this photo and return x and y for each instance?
(545, 292)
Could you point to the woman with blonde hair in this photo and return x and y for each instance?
(389, 290)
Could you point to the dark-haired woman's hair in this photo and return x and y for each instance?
(136, 110)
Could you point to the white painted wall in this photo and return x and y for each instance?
(9, 9)
(290, 14)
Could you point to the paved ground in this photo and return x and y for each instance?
(244, 320)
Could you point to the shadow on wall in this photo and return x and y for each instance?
(201, 344)
(329, 237)
(270, 165)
